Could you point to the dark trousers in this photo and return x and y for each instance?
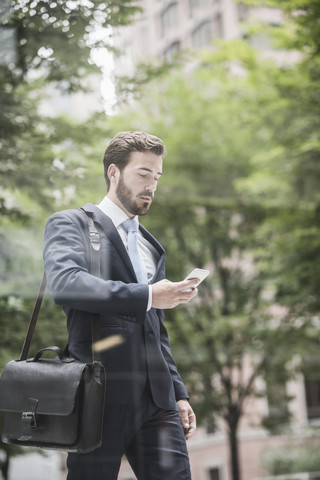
(152, 440)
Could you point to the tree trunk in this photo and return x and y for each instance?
(233, 449)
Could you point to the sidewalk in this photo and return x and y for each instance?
(34, 466)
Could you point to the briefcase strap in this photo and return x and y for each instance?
(94, 237)
(33, 319)
(95, 243)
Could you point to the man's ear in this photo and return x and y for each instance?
(113, 173)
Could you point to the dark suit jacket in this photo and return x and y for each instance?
(122, 302)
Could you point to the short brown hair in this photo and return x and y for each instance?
(122, 144)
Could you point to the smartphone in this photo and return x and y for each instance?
(198, 273)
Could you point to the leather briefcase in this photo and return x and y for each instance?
(53, 403)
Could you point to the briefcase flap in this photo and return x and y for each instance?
(46, 386)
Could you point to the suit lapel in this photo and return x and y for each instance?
(111, 232)
(158, 247)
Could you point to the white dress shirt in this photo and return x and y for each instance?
(148, 252)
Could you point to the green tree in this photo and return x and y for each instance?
(239, 196)
(294, 224)
(293, 457)
(51, 48)
(47, 50)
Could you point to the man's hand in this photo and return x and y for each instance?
(166, 294)
(187, 418)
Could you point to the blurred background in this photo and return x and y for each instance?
(233, 89)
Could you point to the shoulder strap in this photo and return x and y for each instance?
(94, 237)
(33, 319)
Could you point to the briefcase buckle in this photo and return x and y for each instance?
(30, 419)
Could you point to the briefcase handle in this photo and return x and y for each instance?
(57, 350)
(94, 237)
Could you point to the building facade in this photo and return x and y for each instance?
(167, 27)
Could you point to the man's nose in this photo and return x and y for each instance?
(152, 186)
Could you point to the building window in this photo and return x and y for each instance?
(170, 53)
(202, 35)
(217, 29)
(277, 398)
(169, 18)
(144, 38)
(312, 388)
(260, 41)
(194, 4)
(213, 473)
(211, 427)
(243, 12)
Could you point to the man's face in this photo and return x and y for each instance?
(137, 183)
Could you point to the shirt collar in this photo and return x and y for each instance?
(113, 211)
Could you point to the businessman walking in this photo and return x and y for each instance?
(147, 414)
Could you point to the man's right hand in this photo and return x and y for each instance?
(166, 294)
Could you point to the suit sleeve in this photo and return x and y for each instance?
(66, 253)
(179, 388)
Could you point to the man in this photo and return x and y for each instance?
(147, 414)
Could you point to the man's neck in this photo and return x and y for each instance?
(114, 199)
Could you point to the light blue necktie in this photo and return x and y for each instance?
(131, 227)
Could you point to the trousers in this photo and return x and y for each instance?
(151, 438)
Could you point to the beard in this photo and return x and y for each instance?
(130, 203)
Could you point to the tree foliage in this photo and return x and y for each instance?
(293, 458)
(47, 160)
(239, 196)
(50, 46)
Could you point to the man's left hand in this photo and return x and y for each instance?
(187, 418)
